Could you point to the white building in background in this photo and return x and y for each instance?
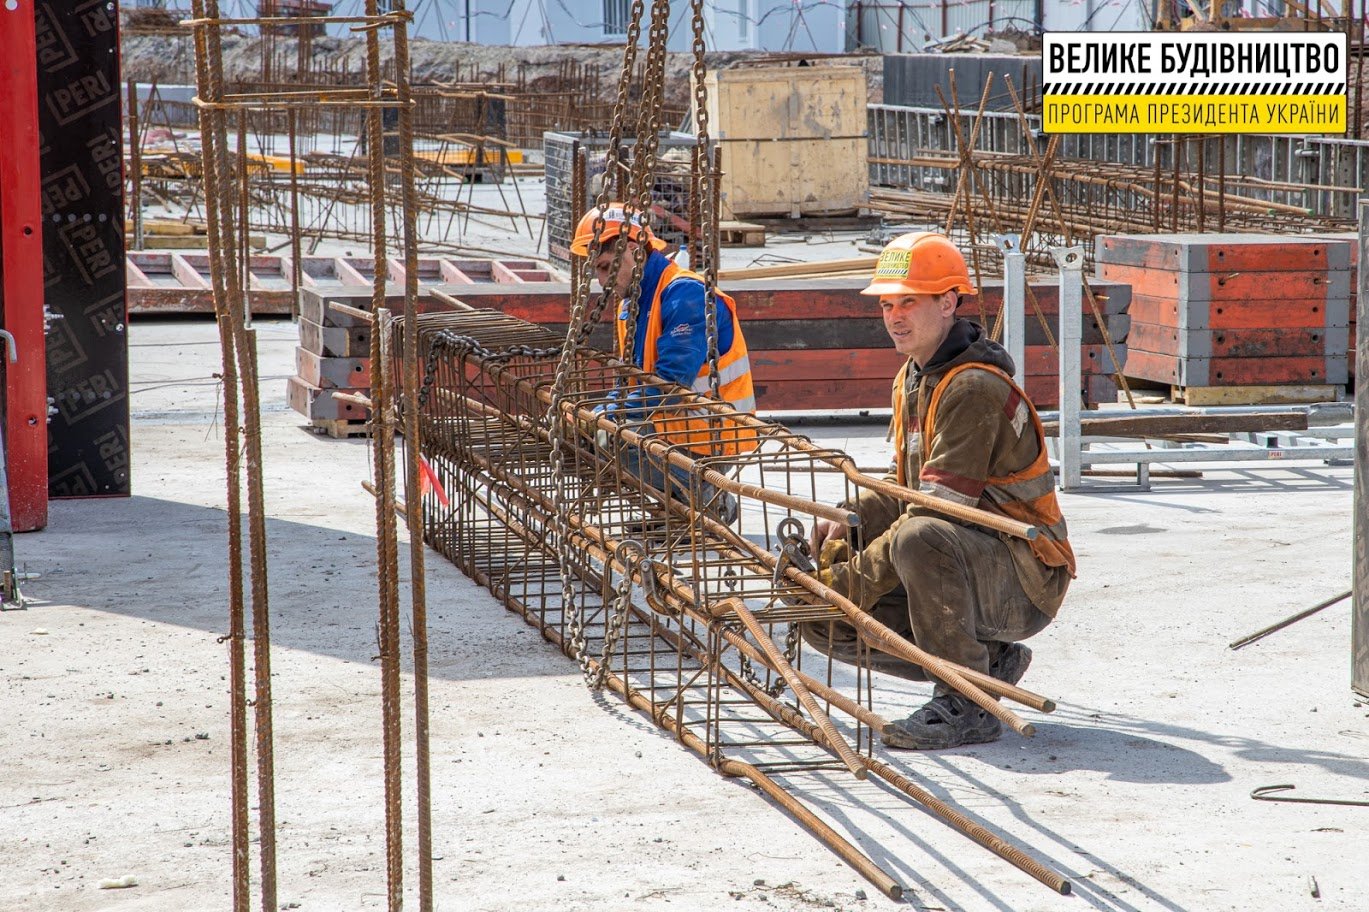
(817, 26)
(773, 25)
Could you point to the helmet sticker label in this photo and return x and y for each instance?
(893, 264)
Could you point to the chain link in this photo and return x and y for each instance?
(708, 261)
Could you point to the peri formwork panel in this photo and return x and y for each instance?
(1268, 371)
(1247, 343)
(1219, 253)
(332, 373)
(83, 247)
(1235, 286)
(320, 405)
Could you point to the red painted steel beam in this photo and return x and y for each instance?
(21, 246)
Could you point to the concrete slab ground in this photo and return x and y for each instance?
(113, 692)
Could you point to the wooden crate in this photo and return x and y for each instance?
(1234, 311)
(792, 139)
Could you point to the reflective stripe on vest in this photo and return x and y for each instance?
(1027, 496)
(734, 377)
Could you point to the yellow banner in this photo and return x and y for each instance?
(1193, 113)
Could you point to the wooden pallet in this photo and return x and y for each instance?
(1256, 395)
(341, 428)
(741, 234)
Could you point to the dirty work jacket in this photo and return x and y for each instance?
(968, 435)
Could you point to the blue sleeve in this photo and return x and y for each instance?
(682, 348)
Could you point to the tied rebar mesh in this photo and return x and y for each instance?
(668, 605)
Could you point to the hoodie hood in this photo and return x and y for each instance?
(968, 342)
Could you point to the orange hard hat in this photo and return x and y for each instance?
(615, 215)
(923, 262)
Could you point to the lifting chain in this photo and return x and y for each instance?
(581, 327)
(703, 164)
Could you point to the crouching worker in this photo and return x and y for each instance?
(670, 340)
(963, 431)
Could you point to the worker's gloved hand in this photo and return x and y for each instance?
(832, 560)
(834, 551)
(836, 572)
(602, 438)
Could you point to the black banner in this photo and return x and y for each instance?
(80, 119)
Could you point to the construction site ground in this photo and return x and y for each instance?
(546, 796)
(549, 797)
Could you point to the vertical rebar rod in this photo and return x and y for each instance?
(244, 220)
(413, 496)
(245, 350)
(387, 544)
(135, 164)
(237, 653)
(295, 247)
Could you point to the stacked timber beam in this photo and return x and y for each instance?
(1235, 319)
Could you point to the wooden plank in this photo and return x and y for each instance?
(332, 373)
(864, 265)
(1124, 425)
(1255, 395)
(174, 242)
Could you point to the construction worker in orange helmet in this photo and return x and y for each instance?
(964, 432)
(670, 337)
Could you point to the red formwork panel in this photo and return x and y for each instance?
(21, 269)
(1217, 253)
(1234, 310)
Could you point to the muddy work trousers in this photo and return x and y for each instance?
(960, 600)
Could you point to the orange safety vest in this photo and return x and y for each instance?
(734, 378)
(1027, 496)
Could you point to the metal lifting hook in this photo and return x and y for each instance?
(793, 548)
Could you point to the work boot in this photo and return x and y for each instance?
(948, 720)
(1010, 662)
